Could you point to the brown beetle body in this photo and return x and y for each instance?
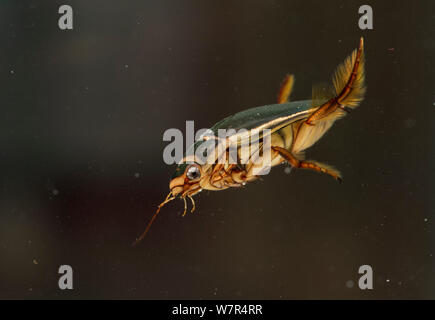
(293, 127)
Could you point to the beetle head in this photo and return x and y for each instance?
(186, 180)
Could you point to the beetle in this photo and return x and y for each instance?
(293, 128)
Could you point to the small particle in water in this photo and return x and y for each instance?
(388, 280)
(287, 170)
(425, 219)
(349, 284)
(137, 175)
(35, 261)
(12, 71)
(126, 66)
(410, 122)
(55, 192)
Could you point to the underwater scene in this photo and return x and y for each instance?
(314, 180)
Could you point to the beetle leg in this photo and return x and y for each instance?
(217, 177)
(325, 110)
(286, 89)
(185, 207)
(219, 169)
(193, 203)
(349, 86)
(313, 165)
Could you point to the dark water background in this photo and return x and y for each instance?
(82, 116)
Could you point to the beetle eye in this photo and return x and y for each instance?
(193, 173)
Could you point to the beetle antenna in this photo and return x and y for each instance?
(168, 199)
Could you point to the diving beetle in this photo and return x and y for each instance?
(293, 126)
